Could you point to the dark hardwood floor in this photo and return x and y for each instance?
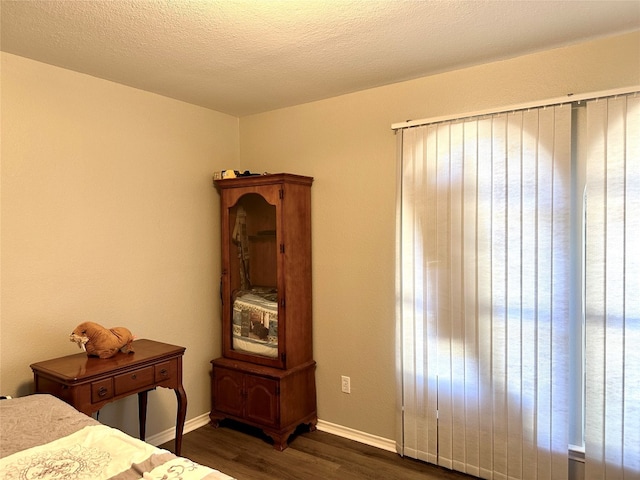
(246, 454)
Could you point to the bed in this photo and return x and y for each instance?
(42, 437)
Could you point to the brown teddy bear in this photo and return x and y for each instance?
(101, 342)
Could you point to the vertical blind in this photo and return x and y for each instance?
(483, 293)
(612, 290)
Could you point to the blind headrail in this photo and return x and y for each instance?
(569, 98)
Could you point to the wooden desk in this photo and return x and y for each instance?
(89, 383)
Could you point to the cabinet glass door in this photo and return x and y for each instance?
(252, 274)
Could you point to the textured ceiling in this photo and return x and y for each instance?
(248, 56)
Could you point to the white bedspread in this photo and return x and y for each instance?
(99, 453)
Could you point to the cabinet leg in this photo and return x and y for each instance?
(215, 423)
(181, 397)
(142, 413)
(280, 443)
(280, 440)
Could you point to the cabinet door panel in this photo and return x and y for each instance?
(227, 395)
(262, 400)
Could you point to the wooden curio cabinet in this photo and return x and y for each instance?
(266, 375)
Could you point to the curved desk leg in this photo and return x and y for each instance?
(181, 396)
(142, 413)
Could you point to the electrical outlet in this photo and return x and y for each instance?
(346, 384)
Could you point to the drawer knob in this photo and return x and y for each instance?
(134, 376)
(164, 372)
(102, 391)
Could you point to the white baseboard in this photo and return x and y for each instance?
(358, 436)
(334, 429)
(170, 434)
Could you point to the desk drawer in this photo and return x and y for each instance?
(101, 390)
(129, 382)
(166, 370)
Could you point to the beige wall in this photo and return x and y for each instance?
(346, 143)
(108, 215)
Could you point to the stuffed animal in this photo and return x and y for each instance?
(101, 342)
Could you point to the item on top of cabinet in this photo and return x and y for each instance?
(102, 342)
(222, 174)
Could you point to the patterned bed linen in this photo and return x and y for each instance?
(85, 448)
